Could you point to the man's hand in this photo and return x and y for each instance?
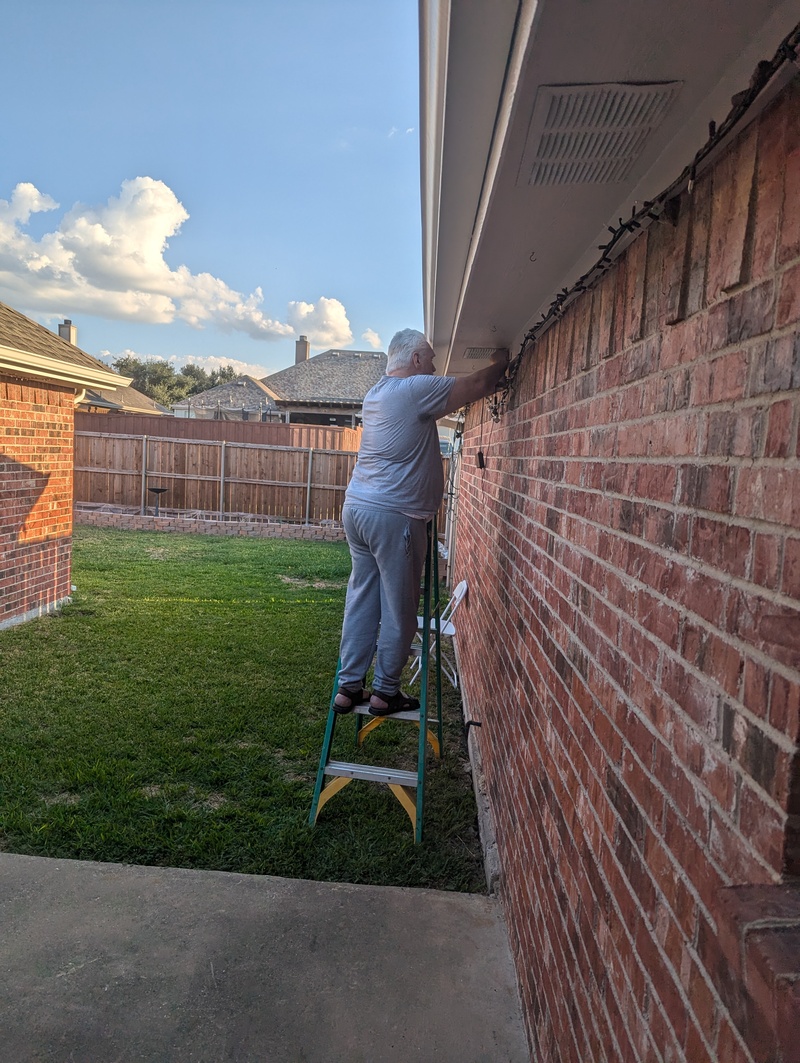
(501, 357)
(481, 383)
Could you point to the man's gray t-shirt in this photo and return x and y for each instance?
(399, 463)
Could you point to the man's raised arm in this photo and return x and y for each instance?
(479, 384)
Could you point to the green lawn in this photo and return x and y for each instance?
(173, 715)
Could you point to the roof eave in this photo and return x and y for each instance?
(339, 404)
(43, 367)
(496, 249)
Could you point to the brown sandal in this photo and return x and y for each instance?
(354, 697)
(398, 702)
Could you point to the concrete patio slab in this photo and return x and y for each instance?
(109, 963)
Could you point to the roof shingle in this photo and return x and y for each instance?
(244, 392)
(333, 376)
(22, 334)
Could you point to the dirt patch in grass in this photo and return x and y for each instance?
(64, 798)
(188, 797)
(316, 584)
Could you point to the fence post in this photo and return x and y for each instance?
(142, 509)
(222, 481)
(308, 483)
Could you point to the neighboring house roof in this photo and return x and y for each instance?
(121, 400)
(30, 350)
(243, 392)
(333, 378)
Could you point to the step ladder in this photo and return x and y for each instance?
(407, 786)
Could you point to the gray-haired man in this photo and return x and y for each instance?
(396, 488)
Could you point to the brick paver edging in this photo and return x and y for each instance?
(252, 529)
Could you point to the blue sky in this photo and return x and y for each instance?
(203, 181)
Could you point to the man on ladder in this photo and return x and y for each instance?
(396, 488)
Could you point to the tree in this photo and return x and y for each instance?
(160, 381)
(224, 375)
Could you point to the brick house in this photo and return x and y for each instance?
(328, 388)
(42, 376)
(631, 533)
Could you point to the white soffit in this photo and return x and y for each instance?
(480, 354)
(591, 134)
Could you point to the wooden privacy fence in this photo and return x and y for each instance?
(218, 478)
(328, 437)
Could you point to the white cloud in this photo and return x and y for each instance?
(109, 261)
(325, 323)
(111, 356)
(373, 339)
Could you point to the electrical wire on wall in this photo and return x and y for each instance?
(650, 211)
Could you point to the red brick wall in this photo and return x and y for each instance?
(331, 532)
(36, 446)
(631, 638)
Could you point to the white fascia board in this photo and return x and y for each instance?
(519, 45)
(44, 367)
(457, 56)
(434, 17)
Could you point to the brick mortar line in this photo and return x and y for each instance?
(735, 461)
(776, 332)
(682, 412)
(773, 596)
(669, 460)
(556, 947)
(688, 560)
(757, 524)
(647, 771)
(767, 399)
(783, 742)
(565, 925)
(772, 923)
(736, 768)
(609, 844)
(679, 874)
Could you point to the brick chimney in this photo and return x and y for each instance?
(67, 331)
(301, 349)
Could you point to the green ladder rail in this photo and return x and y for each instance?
(407, 786)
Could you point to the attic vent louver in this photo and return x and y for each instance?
(475, 354)
(591, 134)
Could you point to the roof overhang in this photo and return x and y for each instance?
(331, 404)
(59, 371)
(97, 401)
(499, 241)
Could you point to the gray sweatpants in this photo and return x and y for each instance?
(388, 552)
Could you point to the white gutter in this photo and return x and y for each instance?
(522, 37)
(46, 367)
(434, 47)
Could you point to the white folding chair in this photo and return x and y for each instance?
(447, 630)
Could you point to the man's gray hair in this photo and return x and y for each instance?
(403, 347)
